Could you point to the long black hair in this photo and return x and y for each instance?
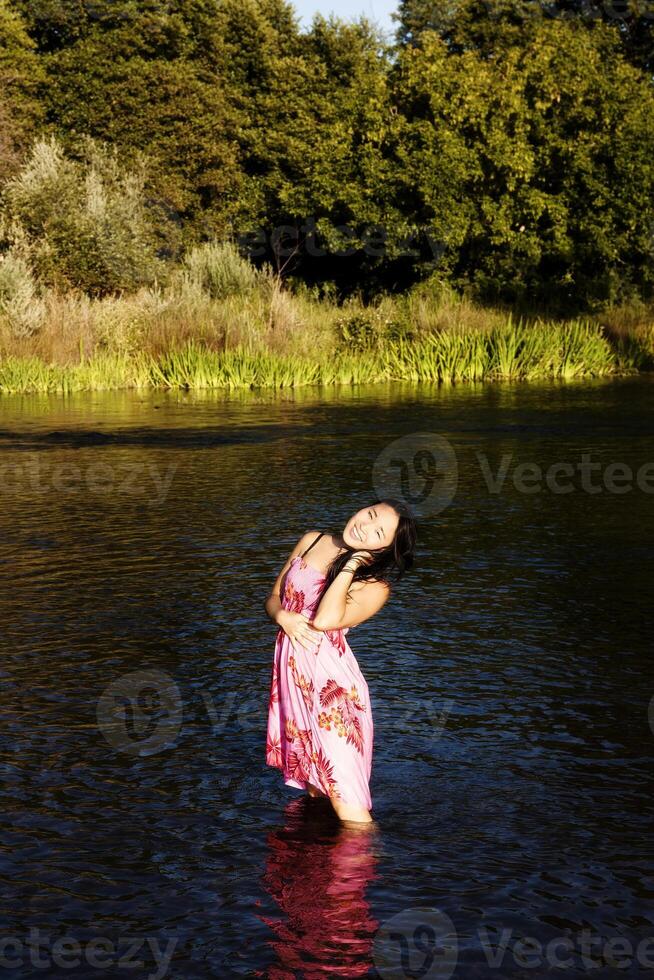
(388, 564)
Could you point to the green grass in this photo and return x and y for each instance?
(510, 351)
(100, 373)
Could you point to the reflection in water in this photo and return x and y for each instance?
(317, 871)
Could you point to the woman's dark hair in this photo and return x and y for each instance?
(390, 563)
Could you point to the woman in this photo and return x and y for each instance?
(320, 729)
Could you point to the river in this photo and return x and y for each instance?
(510, 676)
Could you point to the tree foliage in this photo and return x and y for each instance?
(80, 222)
(504, 146)
(21, 71)
(546, 151)
(485, 25)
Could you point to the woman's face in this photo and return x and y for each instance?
(371, 528)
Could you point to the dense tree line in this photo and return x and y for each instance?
(485, 25)
(507, 144)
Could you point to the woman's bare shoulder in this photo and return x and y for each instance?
(371, 584)
(307, 538)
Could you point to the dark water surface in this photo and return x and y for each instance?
(510, 679)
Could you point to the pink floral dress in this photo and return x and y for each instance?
(320, 728)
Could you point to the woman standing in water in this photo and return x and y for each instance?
(320, 729)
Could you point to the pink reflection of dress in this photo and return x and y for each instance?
(320, 728)
(323, 923)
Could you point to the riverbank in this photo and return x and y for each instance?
(569, 351)
(223, 326)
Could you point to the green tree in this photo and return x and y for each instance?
(20, 73)
(142, 77)
(314, 153)
(553, 141)
(483, 25)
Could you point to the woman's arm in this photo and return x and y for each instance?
(273, 604)
(342, 606)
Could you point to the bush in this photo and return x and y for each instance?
(81, 222)
(20, 303)
(219, 270)
(370, 327)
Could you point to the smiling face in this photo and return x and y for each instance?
(371, 528)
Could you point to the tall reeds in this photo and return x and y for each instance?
(514, 352)
(217, 323)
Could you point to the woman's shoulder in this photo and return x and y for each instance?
(310, 536)
(373, 584)
(307, 539)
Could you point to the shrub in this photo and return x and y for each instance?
(20, 303)
(370, 328)
(219, 270)
(81, 222)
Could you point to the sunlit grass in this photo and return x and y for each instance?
(102, 372)
(193, 366)
(509, 352)
(268, 337)
(513, 352)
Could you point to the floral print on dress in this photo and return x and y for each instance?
(302, 754)
(344, 707)
(338, 639)
(274, 690)
(300, 751)
(273, 750)
(320, 728)
(305, 686)
(326, 781)
(293, 598)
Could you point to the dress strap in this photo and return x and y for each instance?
(312, 544)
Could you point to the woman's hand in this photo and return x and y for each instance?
(299, 629)
(358, 558)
